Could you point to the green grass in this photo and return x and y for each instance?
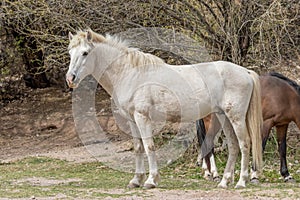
(88, 178)
(272, 162)
(84, 180)
(20, 179)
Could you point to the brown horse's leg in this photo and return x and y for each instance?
(267, 125)
(281, 139)
(213, 128)
(201, 134)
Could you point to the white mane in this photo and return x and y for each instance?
(136, 57)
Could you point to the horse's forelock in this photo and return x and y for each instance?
(81, 37)
(77, 39)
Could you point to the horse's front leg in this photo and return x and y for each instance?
(144, 124)
(139, 151)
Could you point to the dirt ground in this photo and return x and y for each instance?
(38, 123)
(41, 123)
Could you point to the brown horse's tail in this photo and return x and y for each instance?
(254, 123)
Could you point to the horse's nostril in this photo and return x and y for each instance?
(73, 77)
(70, 78)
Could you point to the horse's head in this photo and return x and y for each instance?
(80, 46)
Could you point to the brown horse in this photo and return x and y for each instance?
(280, 106)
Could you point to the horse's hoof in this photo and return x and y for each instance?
(289, 179)
(149, 186)
(254, 181)
(224, 186)
(208, 177)
(216, 179)
(132, 185)
(239, 186)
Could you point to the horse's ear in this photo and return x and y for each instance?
(70, 36)
(89, 36)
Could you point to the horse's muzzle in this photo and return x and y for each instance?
(70, 78)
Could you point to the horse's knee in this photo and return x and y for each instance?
(138, 146)
(149, 145)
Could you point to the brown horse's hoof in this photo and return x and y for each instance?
(149, 186)
(289, 179)
(132, 186)
(254, 181)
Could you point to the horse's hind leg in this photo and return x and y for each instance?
(281, 139)
(243, 138)
(204, 153)
(213, 168)
(205, 168)
(207, 129)
(267, 125)
(139, 151)
(213, 130)
(213, 172)
(233, 150)
(244, 144)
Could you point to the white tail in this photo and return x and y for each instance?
(254, 123)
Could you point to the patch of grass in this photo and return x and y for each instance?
(271, 170)
(89, 177)
(46, 177)
(181, 176)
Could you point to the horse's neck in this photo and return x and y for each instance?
(110, 70)
(107, 79)
(106, 84)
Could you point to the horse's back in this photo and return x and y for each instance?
(279, 99)
(236, 80)
(222, 80)
(226, 75)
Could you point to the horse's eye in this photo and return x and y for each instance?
(85, 53)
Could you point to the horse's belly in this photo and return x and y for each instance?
(176, 116)
(173, 96)
(169, 107)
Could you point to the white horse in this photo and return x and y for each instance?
(146, 89)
